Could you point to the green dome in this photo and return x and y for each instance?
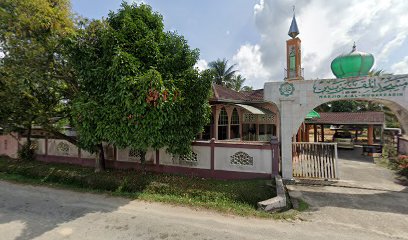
(353, 64)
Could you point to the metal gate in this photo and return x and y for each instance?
(315, 160)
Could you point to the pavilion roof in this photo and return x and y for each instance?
(349, 118)
(224, 94)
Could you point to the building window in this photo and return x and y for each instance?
(266, 131)
(5, 144)
(234, 131)
(222, 124)
(206, 134)
(249, 132)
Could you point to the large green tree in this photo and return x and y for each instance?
(138, 85)
(34, 77)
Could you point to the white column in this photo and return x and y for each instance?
(286, 137)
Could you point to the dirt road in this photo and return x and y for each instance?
(29, 212)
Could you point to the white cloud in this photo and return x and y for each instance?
(400, 67)
(201, 65)
(327, 29)
(391, 46)
(249, 64)
(259, 6)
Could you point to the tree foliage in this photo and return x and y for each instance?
(225, 75)
(138, 85)
(222, 73)
(32, 69)
(236, 83)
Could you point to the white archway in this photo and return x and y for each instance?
(296, 98)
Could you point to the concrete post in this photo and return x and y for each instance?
(370, 139)
(275, 156)
(286, 137)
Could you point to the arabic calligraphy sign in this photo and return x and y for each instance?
(387, 86)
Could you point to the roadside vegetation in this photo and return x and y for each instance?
(237, 197)
(122, 79)
(392, 160)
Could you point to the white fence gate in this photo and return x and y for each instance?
(315, 160)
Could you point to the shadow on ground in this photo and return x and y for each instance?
(354, 198)
(355, 154)
(41, 209)
(363, 185)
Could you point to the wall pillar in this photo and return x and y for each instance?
(157, 158)
(314, 133)
(299, 134)
(257, 128)
(307, 128)
(46, 146)
(322, 133)
(216, 123)
(275, 156)
(286, 137)
(212, 144)
(115, 153)
(241, 118)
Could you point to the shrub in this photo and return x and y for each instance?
(27, 152)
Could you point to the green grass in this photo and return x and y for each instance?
(302, 205)
(237, 197)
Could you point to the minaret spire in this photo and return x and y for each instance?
(293, 29)
(294, 70)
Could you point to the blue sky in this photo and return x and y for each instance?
(217, 28)
(252, 33)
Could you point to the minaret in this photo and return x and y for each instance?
(294, 66)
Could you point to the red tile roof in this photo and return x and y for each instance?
(339, 118)
(221, 93)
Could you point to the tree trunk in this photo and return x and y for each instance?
(143, 160)
(29, 135)
(100, 159)
(58, 134)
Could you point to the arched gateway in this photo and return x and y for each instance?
(296, 98)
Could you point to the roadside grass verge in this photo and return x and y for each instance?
(391, 160)
(237, 197)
